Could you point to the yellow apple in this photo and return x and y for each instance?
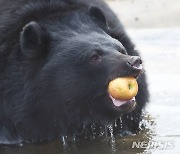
(124, 88)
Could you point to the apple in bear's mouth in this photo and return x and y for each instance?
(123, 90)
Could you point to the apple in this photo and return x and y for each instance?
(124, 88)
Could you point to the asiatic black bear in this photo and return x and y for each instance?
(56, 60)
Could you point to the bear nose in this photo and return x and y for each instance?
(135, 62)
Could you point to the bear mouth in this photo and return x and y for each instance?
(125, 105)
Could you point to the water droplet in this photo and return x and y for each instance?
(115, 123)
(113, 143)
(110, 127)
(106, 130)
(74, 137)
(120, 120)
(64, 141)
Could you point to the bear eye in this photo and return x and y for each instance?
(95, 58)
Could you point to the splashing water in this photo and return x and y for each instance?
(120, 120)
(93, 129)
(115, 123)
(113, 142)
(64, 141)
(110, 127)
(106, 131)
(74, 138)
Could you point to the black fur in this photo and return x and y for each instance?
(56, 60)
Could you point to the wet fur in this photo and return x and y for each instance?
(27, 85)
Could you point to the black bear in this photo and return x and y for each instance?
(56, 60)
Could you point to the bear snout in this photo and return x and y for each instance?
(135, 62)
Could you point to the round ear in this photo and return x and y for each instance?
(33, 40)
(97, 15)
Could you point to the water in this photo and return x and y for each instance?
(160, 49)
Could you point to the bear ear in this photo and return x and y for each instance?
(97, 15)
(33, 40)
